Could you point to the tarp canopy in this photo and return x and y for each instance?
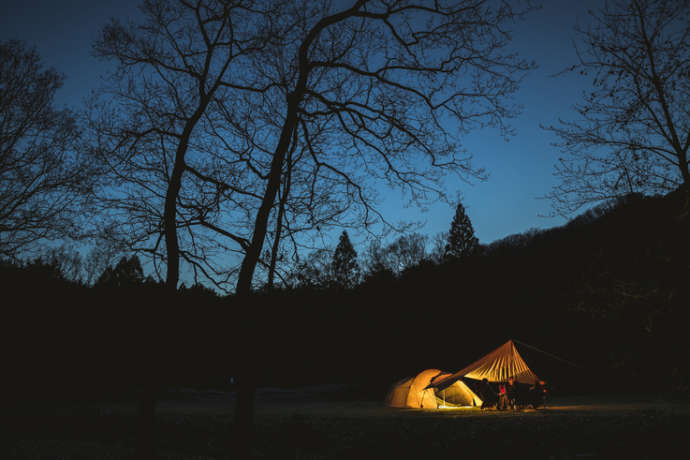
(420, 392)
(498, 366)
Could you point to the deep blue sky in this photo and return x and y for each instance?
(521, 170)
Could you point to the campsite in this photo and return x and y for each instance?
(342, 421)
(344, 229)
(79, 373)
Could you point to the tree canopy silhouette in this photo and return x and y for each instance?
(225, 101)
(149, 125)
(42, 172)
(406, 251)
(632, 131)
(126, 274)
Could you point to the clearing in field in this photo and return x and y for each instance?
(296, 424)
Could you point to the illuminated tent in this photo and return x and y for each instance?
(420, 392)
(457, 394)
(498, 366)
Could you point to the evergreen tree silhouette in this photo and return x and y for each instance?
(344, 265)
(126, 274)
(461, 240)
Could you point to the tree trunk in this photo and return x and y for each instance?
(147, 403)
(276, 245)
(244, 409)
(686, 177)
(279, 219)
(244, 405)
(146, 447)
(169, 215)
(171, 244)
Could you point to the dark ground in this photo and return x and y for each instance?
(323, 423)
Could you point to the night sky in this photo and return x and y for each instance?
(521, 170)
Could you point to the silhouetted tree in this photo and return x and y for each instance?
(297, 212)
(342, 45)
(406, 251)
(344, 265)
(632, 132)
(67, 260)
(438, 247)
(461, 240)
(315, 271)
(199, 291)
(101, 256)
(151, 124)
(43, 270)
(41, 170)
(126, 274)
(369, 89)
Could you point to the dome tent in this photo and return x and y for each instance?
(455, 394)
(413, 391)
(420, 392)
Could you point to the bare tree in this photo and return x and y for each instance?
(368, 103)
(329, 101)
(403, 253)
(314, 271)
(68, 260)
(42, 173)
(632, 131)
(101, 256)
(149, 124)
(438, 247)
(147, 135)
(389, 87)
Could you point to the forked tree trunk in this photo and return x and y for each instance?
(279, 218)
(244, 407)
(146, 447)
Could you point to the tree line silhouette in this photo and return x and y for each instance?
(606, 291)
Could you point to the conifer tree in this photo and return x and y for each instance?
(461, 239)
(126, 274)
(344, 265)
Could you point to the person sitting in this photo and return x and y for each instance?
(532, 395)
(487, 394)
(502, 396)
(543, 392)
(512, 393)
(538, 393)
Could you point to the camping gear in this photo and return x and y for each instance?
(498, 366)
(420, 392)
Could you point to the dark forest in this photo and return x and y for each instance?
(607, 292)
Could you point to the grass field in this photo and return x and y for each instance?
(299, 428)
